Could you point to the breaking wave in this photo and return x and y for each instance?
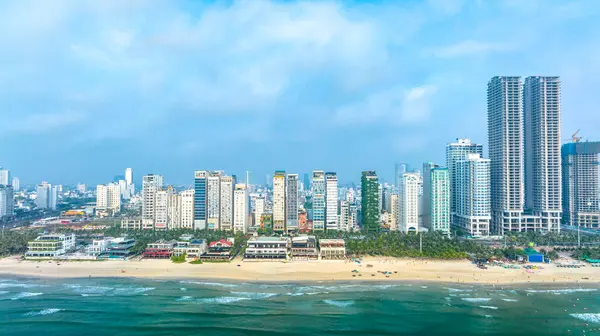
(476, 299)
(43, 312)
(341, 304)
(588, 317)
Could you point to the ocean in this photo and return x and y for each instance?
(109, 306)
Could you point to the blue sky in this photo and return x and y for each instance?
(88, 88)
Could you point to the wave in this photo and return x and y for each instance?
(4, 292)
(128, 291)
(254, 295)
(561, 291)
(587, 317)
(488, 316)
(222, 299)
(86, 295)
(24, 295)
(457, 289)
(489, 307)
(43, 312)
(294, 294)
(510, 300)
(476, 299)
(216, 284)
(19, 285)
(340, 304)
(81, 289)
(183, 289)
(184, 298)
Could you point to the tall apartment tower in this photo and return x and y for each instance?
(426, 197)
(344, 218)
(292, 203)
(16, 183)
(439, 200)
(399, 170)
(409, 203)
(319, 200)
(456, 151)
(505, 138)
(473, 197)
(331, 201)
(370, 201)
(187, 209)
(213, 200)
(226, 202)
(151, 184)
(47, 196)
(200, 177)
(129, 181)
(4, 176)
(581, 185)
(240, 208)
(173, 209)
(543, 187)
(394, 205)
(161, 209)
(6, 201)
(259, 210)
(108, 198)
(279, 201)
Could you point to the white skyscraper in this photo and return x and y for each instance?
(279, 201)
(259, 210)
(129, 176)
(331, 201)
(292, 202)
(473, 212)
(150, 185)
(213, 200)
(409, 203)
(240, 208)
(456, 151)
(319, 200)
(123, 189)
(81, 188)
(108, 199)
(226, 211)
(395, 207)
(16, 183)
(543, 185)
(161, 209)
(173, 209)
(4, 176)
(344, 217)
(47, 196)
(6, 201)
(187, 209)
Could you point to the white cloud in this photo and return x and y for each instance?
(470, 48)
(396, 106)
(40, 123)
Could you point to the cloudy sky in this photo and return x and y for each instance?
(88, 88)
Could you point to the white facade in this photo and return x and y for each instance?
(150, 185)
(409, 202)
(473, 212)
(124, 190)
(50, 246)
(319, 200)
(292, 202)
(279, 201)
(187, 209)
(354, 217)
(161, 209)
(213, 200)
(173, 209)
(331, 201)
(16, 183)
(456, 151)
(98, 246)
(108, 198)
(344, 217)
(240, 208)
(259, 210)
(226, 203)
(47, 196)
(4, 176)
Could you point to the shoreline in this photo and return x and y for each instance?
(402, 270)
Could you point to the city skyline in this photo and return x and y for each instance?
(88, 108)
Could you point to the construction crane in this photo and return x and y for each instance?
(574, 137)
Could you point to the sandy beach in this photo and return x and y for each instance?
(407, 270)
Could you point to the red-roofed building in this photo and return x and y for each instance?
(220, 249)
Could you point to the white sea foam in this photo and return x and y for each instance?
(458, 289)
(217, 284)
(3, 292)
(86, 295)
(489, 307)
(222, 300)
(254, 295)
(510, 300)
(488, 316)
(43, 312)
(81, 289)
(184, 298)
(561, 291)
(588, 317)
(294, 294)
(341, 304)
(384, 286)
(476, 299)
(24, 295)
(128, 291)
(18, 285)
(183, 289)
(317, 293)
(423, 286)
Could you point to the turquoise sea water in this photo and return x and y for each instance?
(151, 307)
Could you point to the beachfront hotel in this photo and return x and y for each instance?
(119, 248)
(98, 246)
(218, 250)
(305, 248)
(581, 187)
(50, 246)
(332, 249)
(267, 248)
(159, 250)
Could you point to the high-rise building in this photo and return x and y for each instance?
(173, 209)
(306, 181)
(581, 185)
(318, 198)
(81, 188)
(4, 176)
(53, 197)
(123, 189)
(505, 138)
(108, 199)
(331, 201)
(439, 200)
(370, 201)
(151, 184)
(456, 151)
(6, 201)
(200, 177)
(399, 170)
(292, 203)
(344, 217)
(213, 200)
(353, 217)
(16, 184)
(161, 209)
(259, 210)
(543, 187)
(380, 197)
(279, 201)
(187, 209)
(425, 207)
(129, 176)
(394, 208)
(226, 214)
(473, 212)
(46, 196)
(240, 208)
(408, 209)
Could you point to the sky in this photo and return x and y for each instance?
(88, 88)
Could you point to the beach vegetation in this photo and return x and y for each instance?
(178, 259)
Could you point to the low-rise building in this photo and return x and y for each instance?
(332, 249)
(305, 248)
(159, 250)
(50, 246)
(218, 250)
(98, 246)
(119, 248)
(267, 248)
(192, 249)
(131, 223)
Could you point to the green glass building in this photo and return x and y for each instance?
(370, 201)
